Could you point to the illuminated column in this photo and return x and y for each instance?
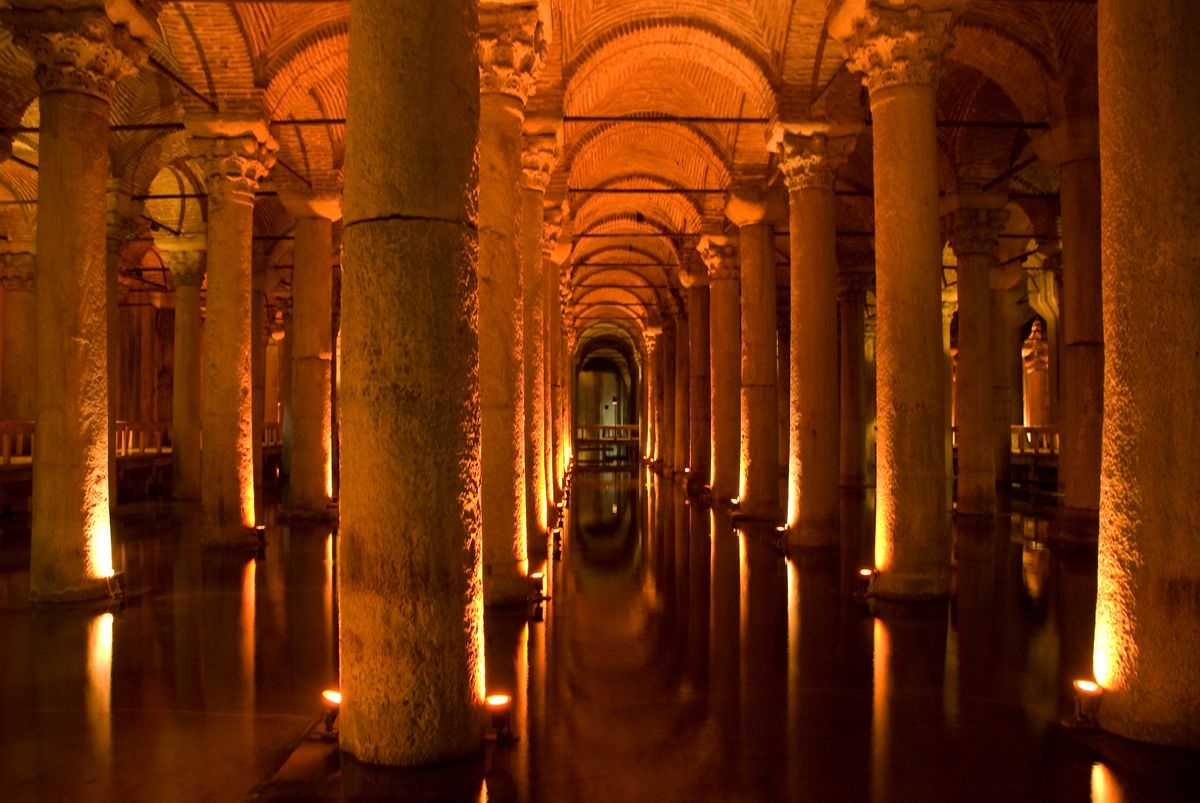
(18, 276)
(537, 160)
(258, 356)
(551, 230)
(410, 575)
(285, 383)
(680, 382)
(720, 255)
(666, 396)
(899, 53)
(1074, 148)
(699, 393)
(1147, 651)
(949, 308)
(310, 478)
(80, 55)
(852, 301)
(809, 159)
(1035, 359)
(652, 336)
(510, 50)
(975, 229)
(184, 257)
(759, 482)
(235, 155)
(1006, 353)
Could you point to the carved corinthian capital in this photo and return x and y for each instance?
(895, 46)
(720, 255)
(512, 44)
(977, 231)
(18, 272)
(811, 161)
(539, 152)
(235, 156)
(184, 257)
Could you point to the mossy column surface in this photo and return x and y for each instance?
(79, 55)
(720, 255)
(410, 571)
(185, 258)
(1147, 649)
(235, 154)
(899, 53)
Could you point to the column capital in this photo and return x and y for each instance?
(810, 155)
(693, 276)
(234, 153)
(18, 271)
(853, 285)
(976, 230)
(83, 47)
(1035, 351)
(720, 255)
(539, 152)
(895, 46)
(512, 44)
(306, 203)
(184, 257)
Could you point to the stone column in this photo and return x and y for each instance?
(258, 357)
(538, 154)
(80, 55)
(184, 257)
(410, 573)
(1074, 148)
(699, 393)
(1147, 649)
(810, 157)
(899, 53)
(285, 383)
(666, 397)
(551, 230)
(310, 479)
(720, 254)
(1035, 359)
(975, 228)
(652, 337)
(510, 51)
(949, 309)
(852, 301)
(679, 437)
(235, 155)
(18, 376)
(759, 484)
(1006, 343)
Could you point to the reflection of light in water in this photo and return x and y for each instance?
(98, 550)
(614, 508)
(793, 641)
(879, 712)
(99, 686)
(248, 594)
(743, 588)
(1104, 786)
(328, 595)
(1033, 568)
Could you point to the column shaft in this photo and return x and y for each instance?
(17, 375)
(974, 412)
(852, 393)
(759, 403)
(699, 393)
(666, 398)
(311, 476)
(679, 437)
(532, 197)
(187, 269)
(725, 337)
(258, 366)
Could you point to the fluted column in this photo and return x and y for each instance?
(852, 300)
(18, 276)
(1147, 649)
(539, 151)
(235, 155)
(759, 482)
(510, 51)
(185, 258)
(410, 579)
(899, 54)
(810, 157)
(720, 255)
(975, 229)
(80, 54)
(699, 394)
(310, 478)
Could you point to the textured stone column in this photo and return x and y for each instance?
(185, 258)
(551, 258)
(759, 483)
(652, 403)
(1073, 147)
(80, 55)
(975, 228)
(720, 256)
(258, 357)
(18, 375)
(852, 300)
(666, 397)
(899, 53)
(410, 574)
(679, 438)
(538, 153)
(1147, 649)
(310, 479)
(1006, 366)
(810, 157)
(510, 51)
(699, 393)
(285, 383)
(235, 155)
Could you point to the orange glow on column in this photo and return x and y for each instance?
(1114, 654)
(884, 538)
(327, 443)
(99, 683)
(98, 547)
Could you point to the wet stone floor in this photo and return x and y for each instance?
(679, 659)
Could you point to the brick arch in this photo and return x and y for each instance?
(207, 45)
(187, 215)
(309, 61)
(668, 212)
(1022, 73)
(18, 88)
(977, 155)
(675, 153)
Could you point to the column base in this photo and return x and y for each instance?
(229, 537)
(91, 590)
(769, 514)
(504, 591)
(307, 514)
(1075, 525)
(911, 587)
(813, 534)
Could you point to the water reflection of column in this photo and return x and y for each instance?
(763, 661)
(976, 604)
(249, 612)
(700, 566)
(724, 608)
(682, 569)
(99, 693)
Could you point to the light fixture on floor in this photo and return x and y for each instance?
(331, 700)
(260, 531)
(862, 586)
(1088, 694)
(499, 705)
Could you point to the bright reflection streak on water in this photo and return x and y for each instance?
(99, 684)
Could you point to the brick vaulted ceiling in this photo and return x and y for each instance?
(724, 68)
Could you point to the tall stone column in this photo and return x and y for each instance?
(652, 405)
(551, 230)
(759, 483)
(810, 157)
(80, 55)
(538, 154)
(258, 358)
(852, 301)
(682, 391)
(949, 310)
(899, 53)
(1035, 361)
(18, 374)
(699, 393)
(666, 397)
(185, 258)
(310, 479)
(975, 229)
(1147, 648)
(235, 155)
(1006, 367)
(720, 255)
(410, 572)
(1074, 148)
(285, 383)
